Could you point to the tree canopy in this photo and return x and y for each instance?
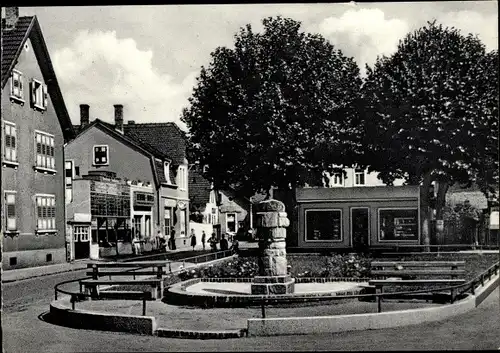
(278, 109)
(432, 112)
(433, 108)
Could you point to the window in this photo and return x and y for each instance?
(166, 167)
(182, 178)
(81, 233)
(101, 155)
(77, 171)
(359, 177)
(11, 214)
(17, 87)
(231, 222)
(168, 221)
(45, 151)
(13, 261)
(69, 180)
(214, 216)
(183, 222)
(39, 95)
(46, 212)
(10, 146)
(338, 179)
(147, 230)
(212, 197)
(398, 224)
(323, 225)
(48, 258)
(137, 226)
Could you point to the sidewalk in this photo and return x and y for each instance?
(32, 272)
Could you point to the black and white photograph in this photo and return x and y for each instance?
(250, 177)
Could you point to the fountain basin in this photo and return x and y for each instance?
(237, 292)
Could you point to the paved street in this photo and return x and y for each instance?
(25, 331)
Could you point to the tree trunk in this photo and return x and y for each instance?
(425, 210)
(440, 203)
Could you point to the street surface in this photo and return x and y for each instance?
(24, 330)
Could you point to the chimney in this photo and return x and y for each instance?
(84, 115)
(119, 117)
(11, 17)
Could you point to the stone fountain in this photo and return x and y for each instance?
(273, 277)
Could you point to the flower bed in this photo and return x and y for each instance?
(336, 265)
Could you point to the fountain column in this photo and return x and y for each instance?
(271, 222)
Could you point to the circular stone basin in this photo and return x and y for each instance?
(230, 292)
(235, 288)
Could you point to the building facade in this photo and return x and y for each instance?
(35, 126)
(157, 185)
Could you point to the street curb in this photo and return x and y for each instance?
(194, 334)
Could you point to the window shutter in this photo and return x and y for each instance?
(32, 89)
(45, 97)
(10, 202)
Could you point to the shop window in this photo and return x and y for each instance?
(323, 225)
(168, 221)
(11, 211)
(101, 155)
(359, 177)
(45, 156)
(46, 213)
(231, 222)
(398, 224)
(10, 144)
(17, 87)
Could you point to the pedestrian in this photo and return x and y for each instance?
(172, 240)
(193, 238)
(235, 246)
(203, 239)
(213, 242)
(162, 242)
(223, 243)
(137, 243)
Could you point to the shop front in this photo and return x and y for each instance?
(357, 217)
(141, 218)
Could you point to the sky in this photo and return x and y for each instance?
(148, 57)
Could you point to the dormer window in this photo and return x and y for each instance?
(359, 176)
(338, 179)
(101, 155)
(39, 95)
(166, 168)
(17, 87)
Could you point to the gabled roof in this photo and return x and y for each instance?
(199, 189)
(12, 43)
(164, 137)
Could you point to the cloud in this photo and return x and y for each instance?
(364, 33)
(485, 26)
(100, 69)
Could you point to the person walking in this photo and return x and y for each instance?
(235, 246)
(137, 243)
(203, 239)
(172, 240)
(193, 238)
(223, 243)
(213, 242)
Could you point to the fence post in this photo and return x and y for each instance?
(482, 279)
(473, 288)
(144, 305)
(263, 307)
(73, 302)
(379, 299)
(94, 271)
(55, 292)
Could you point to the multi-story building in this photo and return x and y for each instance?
(35, 126)
(139, 155)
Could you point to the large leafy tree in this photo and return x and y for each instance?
(432, 114)
(277, 110)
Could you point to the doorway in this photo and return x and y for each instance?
(360, 228)
(82, 242)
